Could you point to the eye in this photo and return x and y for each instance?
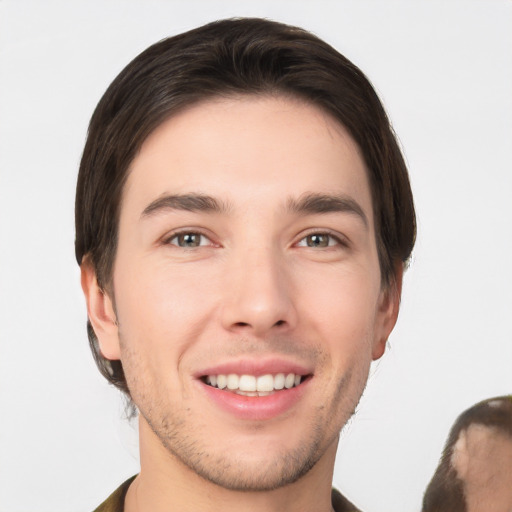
(319, 240)
(188, 240)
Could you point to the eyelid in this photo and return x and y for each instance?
(338, 237)
(168, 237)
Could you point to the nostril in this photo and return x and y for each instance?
(247, 324)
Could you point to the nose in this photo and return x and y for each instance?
(257, 296)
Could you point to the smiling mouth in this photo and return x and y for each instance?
(251, 385)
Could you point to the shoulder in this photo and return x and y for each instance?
(115, 502)
(341, 504)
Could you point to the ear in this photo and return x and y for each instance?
(101, 312)
(387, 314)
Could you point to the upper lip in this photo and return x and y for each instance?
(256, 367)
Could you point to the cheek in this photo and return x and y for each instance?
(343, 306)
(161, 310)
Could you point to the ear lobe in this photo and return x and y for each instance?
(389, 306)
(101, 312)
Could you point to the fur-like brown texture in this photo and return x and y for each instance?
(446, 490)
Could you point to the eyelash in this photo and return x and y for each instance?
(168, 240)
(338, 241)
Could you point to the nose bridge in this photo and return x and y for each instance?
(257, 293)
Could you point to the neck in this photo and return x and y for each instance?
(165, 483)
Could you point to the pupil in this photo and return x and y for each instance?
(318, 241)
(190, 240)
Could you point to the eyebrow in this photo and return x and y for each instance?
(186, 202)
(315, 203)
(311, 203)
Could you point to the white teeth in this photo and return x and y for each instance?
(279, 381)
(247, 383)
(233, 381)
(250, 385)
(221, 381)
(247, 393)
(265, 383)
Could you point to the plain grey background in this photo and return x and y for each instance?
(444, 72)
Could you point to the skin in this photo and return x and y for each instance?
(256, 288)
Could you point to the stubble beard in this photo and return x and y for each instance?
(231, 470)
(190, 444)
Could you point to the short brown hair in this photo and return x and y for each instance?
(223, 58)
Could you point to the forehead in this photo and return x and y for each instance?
(248, 148)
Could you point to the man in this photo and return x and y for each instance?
(243, 219)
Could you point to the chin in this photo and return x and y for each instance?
(236, 473)
(259, 462)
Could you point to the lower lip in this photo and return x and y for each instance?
(256, 408)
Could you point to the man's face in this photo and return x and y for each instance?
(246, 257)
